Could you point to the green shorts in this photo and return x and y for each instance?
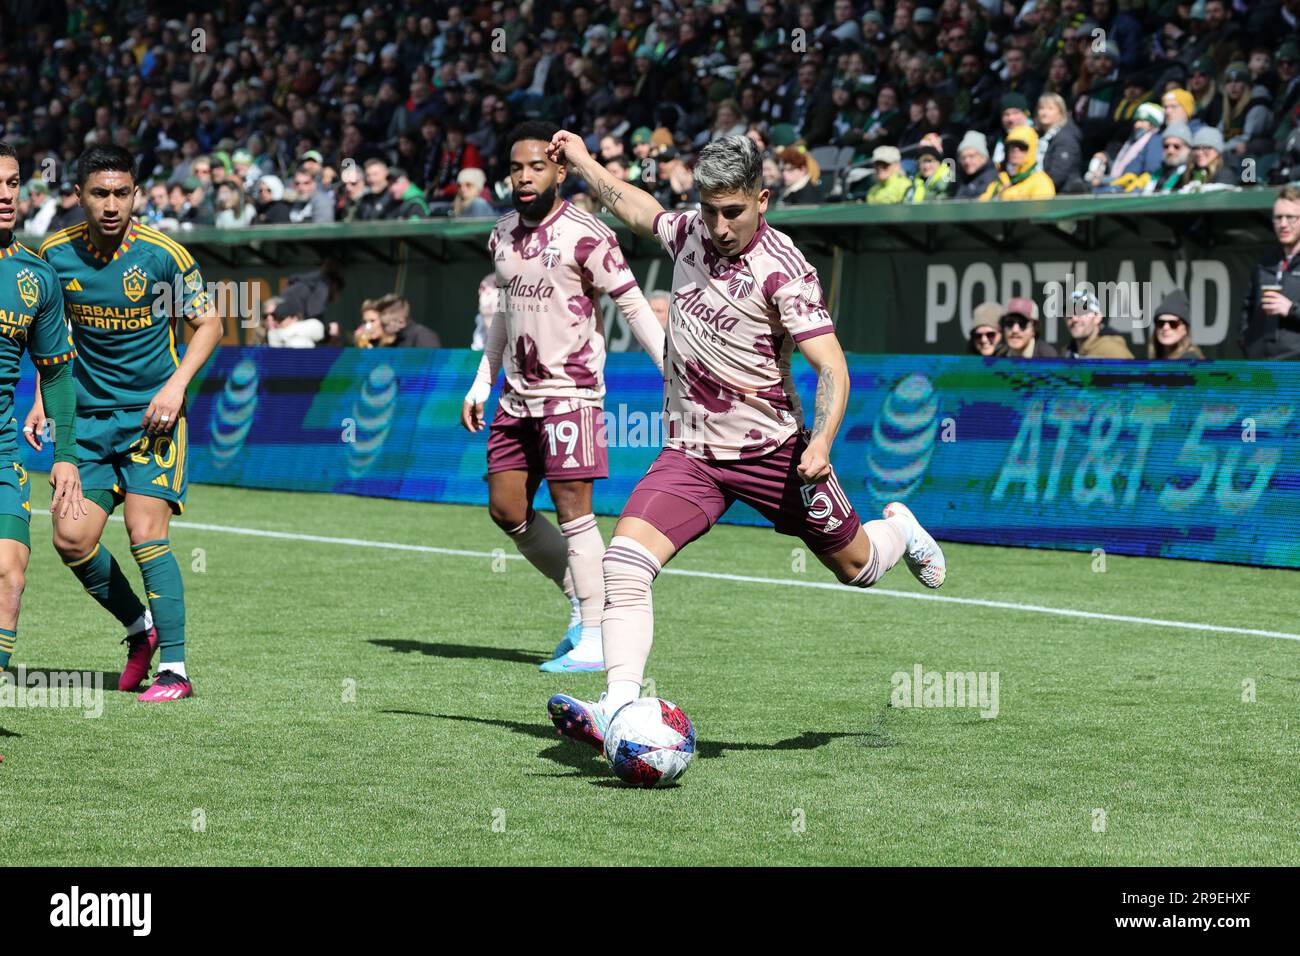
(118, 457)
(15, 503)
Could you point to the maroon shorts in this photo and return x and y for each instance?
(568, 447)
(683, 497)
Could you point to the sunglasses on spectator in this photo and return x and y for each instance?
(985, 335)
(1168, 323)
(1015, 322)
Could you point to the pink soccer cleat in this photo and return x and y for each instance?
(139, 653)
(168, 685)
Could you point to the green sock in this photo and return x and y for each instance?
(7, 638)
(166, 590)
(103, 580)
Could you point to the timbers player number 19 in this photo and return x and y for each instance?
(126, 286)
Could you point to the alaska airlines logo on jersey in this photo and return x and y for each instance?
(551, 256)
(541, 289)
(28, 288)
(134, 283)
(691, 303)
(741, 284)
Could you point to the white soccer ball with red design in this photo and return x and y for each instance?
(649, 742)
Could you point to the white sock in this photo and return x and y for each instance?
(142, 623)
(177, 668)
(621, 692)
(590, 648)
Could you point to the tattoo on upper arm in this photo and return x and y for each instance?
(825, 398)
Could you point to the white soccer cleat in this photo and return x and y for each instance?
(924, 556)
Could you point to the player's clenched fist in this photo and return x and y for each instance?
(567, 147)
(815, 463)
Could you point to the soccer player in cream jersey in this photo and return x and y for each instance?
(743, 299)
(126, 286)
(31, 320)
(552, 263)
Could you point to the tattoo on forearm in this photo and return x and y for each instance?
(609, 195)
(824, 400)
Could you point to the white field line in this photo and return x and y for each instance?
(744, 579)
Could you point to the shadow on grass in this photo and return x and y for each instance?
(461, 651)
(578, 758)
(588, 764)
(8, 733)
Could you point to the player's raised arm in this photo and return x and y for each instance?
(634, 206)
(825, 355)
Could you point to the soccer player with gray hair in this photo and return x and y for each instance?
(744, 297)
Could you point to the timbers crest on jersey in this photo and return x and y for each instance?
(551, 256)
(29, 289)
(134, 283)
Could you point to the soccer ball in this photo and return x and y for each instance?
(649, 743)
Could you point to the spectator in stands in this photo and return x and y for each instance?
(290, 329)
(1020, 325)
(1172, 174)
(798, 188)
(1060, 145)
(1123, 30)
(456, 154)
(314, 204)
(232, 211)
(676, 182)
(489, 302)
(1089, 334)
(1021, 177)
(1270, 313)
(43, 208)
(353, 191)
(1019, 77)
(885, 123)
(1208, 168)
(399, 331)
(977, 170)
(932, 180)
(984, 334)
(1179, 105)
(661, 302)
(370, 332)
(892, 185)
(69, 212)
(1171, 336)
(378, 202)
(271, 207)
(1140, 154)
(407, 198)
(469, 201)
(1015, 114)
(197, 209)
(1247, 122)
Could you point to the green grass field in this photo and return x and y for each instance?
(445, 755)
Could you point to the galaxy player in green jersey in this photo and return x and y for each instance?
(126, 286)
(31, 318)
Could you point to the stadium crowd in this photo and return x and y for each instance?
(272, 112)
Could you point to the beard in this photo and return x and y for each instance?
(541, 204)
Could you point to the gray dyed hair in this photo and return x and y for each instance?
(729, 164)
